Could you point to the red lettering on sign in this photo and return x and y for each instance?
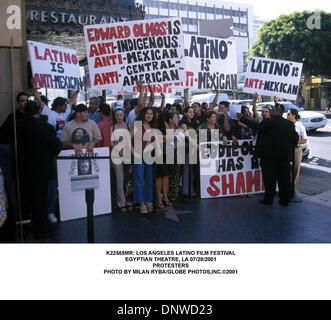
(97, 34)
(106, 78)
(227, 187)
(150, 29)
(240, 184)
(256, 181)
(214, 191)
(38, 57)
(253, 83)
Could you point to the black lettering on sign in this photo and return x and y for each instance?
(222, 81)
(202, 48)
(270, 67)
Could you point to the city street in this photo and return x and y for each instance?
(227, 220)
(316, 171)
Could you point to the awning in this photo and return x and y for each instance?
(326, 83)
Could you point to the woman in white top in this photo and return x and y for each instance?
(294, 116)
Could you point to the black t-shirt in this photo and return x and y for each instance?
(199, 120)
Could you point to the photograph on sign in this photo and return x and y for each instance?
(227, 171)
(270, 77)
(121, 54)
(77, 175)
(54, 67)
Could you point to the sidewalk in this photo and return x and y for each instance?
(222, 220)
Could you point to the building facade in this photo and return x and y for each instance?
(258, 23)
(56, 22)
(193, 12)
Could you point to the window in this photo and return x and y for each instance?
(192, 8)
(164, 5)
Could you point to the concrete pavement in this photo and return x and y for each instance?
(226, 220)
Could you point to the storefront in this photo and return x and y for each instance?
(61, 22)
(311, 92)
(56, 22)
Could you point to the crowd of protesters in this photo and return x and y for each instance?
(43, 132)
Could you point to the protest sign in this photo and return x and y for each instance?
(211, 63)
(229, 170)
(54, 67)
(76, 175)
(270, 77)
(234, 109)
(120, 54)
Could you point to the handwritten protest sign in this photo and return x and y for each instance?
(211, 63)
(120, 54)
(54, 67)
(76, 175)
(270, 77)
(229, 170)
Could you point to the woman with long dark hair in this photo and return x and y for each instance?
(143, 172)
(162, 171)
(178, 139)
(191, 171)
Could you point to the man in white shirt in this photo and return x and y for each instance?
(293, 115)
(61, 110)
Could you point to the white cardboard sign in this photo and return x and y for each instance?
(270, 77)
(54, 67)
(226, 171)
(120, 54)
(76, 175)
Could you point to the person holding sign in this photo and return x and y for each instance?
(210, 125)
(241, 131)
(58, 116)
(190, 129)
(143, 172)
(278, 140)
(224, 120)
(81, 132)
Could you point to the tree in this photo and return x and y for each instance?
(290, 38)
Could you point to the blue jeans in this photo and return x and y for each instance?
(143, 178)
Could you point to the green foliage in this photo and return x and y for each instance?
(289, 38)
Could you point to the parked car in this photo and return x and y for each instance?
(208, 97)
(310, 119)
